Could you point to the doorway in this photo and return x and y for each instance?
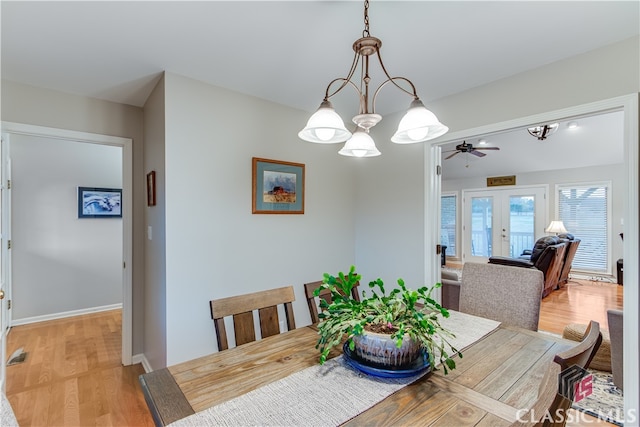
(629, 105)
(125, 144)
(501, 222)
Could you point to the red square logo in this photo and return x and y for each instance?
(584, 388)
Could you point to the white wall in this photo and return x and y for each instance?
(60, 262)
(215, 246)
(613, 173)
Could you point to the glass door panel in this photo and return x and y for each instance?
(481, 226)
(502, 222)
(521, 225)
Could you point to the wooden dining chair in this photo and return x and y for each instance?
(241, 308)
(550, 410)
(325, 294)
(510, 295)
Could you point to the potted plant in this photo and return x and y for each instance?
(409, 319)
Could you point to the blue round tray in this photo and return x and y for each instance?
(420, 365)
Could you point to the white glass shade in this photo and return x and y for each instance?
(556, 227)
(360, 145)
(325, 126)
(419, 124)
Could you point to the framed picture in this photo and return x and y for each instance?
(151, 188)
(278, 187)
(99, 202)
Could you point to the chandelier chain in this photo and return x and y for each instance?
(365, 32)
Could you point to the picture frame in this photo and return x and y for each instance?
(151, 188)
(95, 202)
(278, 187)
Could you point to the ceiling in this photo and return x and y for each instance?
(597, 140)
(288, 51)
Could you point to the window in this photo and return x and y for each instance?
(448, 215)
(585, 211)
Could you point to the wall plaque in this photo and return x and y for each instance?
(501, 180)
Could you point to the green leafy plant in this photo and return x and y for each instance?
(403, 311)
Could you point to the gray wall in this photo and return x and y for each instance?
(41, 107)
(215, 247)
(61, 263)
(155, 303)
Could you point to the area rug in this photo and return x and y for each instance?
(606, 402)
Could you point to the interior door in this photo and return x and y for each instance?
(502, 222)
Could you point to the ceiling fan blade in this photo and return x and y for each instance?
(477, 153)
(486, 148)
(451, 155)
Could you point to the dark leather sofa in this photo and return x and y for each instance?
(547, 255)
(569, 254)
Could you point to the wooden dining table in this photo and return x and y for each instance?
(495, 380)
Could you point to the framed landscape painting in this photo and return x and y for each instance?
(278, 187)
(99, 202)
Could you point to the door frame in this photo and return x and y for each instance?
(127, 211)
(630, 105)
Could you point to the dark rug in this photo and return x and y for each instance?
(606, 402)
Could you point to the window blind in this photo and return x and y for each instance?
(584, 211)
(448, 207)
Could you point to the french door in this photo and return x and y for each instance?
(502, 222)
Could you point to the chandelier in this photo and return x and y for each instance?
(325, 126)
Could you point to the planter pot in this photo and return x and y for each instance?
(381, 350)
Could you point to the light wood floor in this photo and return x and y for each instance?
(73, 375)
(578, 302)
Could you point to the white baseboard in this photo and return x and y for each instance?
(140, 358)
(62, 315)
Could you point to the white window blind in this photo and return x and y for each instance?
(448, 215)
(584, 211)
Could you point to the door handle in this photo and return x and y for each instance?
(1, 294)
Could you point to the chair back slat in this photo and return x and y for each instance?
(241, 308)
(243, 328)
(269, 324)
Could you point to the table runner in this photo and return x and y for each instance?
(326, 395)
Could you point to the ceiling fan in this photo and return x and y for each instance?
(469, 148)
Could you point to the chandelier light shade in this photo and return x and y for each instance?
(419, 124)
(326, 127)
(360, 145)
(556, 227)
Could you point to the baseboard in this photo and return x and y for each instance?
(140, 358)
(64, 314)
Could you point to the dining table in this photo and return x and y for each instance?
(493, 384)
